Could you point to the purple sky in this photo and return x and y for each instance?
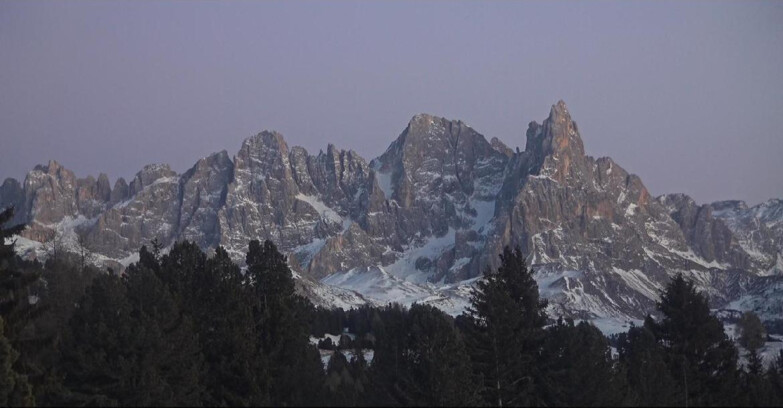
(687, 95)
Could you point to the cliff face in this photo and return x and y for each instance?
(423, 220)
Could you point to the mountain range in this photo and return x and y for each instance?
(424, 220)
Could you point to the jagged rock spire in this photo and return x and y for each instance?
(558, 135)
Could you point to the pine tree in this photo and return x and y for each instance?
(579, 367)
(14, 388)
(775, 380)
(65, 284)
(504, 332)
(339, 382)
(439, 363)
(15, 285)
(752, 335)
(295, 373)
(172, 357)
(16, 312)
(644, 361)
(129, 344)
(211, 291)
(359, 372)
(698, 353)
(390, 375)
(95, 353)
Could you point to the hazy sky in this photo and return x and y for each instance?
(687, 95)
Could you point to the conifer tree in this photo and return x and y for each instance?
(295, 373)
(775, 380)
(339, 382)
(14, 388)
(579, 367)
(213, 294)
(359, 372)
(171, 351)
(16, 311)
(390, 376)
(504, 332)
(644, 363)
(15, 284)
(129, 344)
(699, 355)
(439, 363)
(752, 335)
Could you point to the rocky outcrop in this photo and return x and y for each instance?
(709, 237)
(151, 212)
(438, 178)
(757, 230)
(12, 195)
(203, 191)
(261, 201)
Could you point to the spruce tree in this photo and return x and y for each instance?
(439, 363)
(212, 292)
(294, 375)
(96, 359)
(752, 335)
(65, 284)
(644, 362)
(390, 375)
(339, 382)
(504, 332)
(14, 388)
(129, 344)
(171, 355)
(15, 285)
(699, 355)
(775, 380)
(579, 367)
(359, 373)
(16, 312)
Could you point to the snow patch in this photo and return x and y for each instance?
(326, 213)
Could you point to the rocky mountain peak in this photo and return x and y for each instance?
(558, 134)
(268, 139)
(432, 156)
(501, 147)
(120, 191)
(265, 154)
(52, 168)
(555, 145)
(424, 127)
(151, 174)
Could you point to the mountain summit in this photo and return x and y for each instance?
(426, 218)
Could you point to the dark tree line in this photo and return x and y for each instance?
(189, 329)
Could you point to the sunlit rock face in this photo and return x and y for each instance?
(426, 218)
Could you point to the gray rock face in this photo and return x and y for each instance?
(120, 193)
(429, 215)
(757, 230)
(50, 196)
(439, 178)
(589, 227)
(150, 212)
(203, 191)
(261, 201)
(92, 196)
(709, 237)
(12, 195)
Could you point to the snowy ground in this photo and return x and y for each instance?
(327, 354)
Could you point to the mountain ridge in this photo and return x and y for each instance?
(432, 211)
